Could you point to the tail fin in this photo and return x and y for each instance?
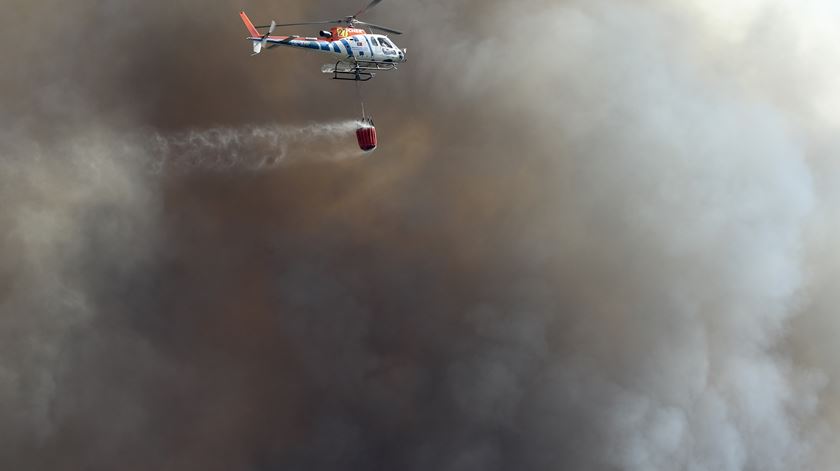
(251, 29)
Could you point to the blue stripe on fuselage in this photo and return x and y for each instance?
(347, 45)
(306, 44)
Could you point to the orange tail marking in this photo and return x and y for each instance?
(251, 29)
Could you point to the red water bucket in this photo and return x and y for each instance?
(366, 135)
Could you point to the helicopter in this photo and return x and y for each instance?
(359, 54)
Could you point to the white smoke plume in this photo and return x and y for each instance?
(77, 216)
(685, 192)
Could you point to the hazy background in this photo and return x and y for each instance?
(597, 235)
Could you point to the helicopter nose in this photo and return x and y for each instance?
(404, 55)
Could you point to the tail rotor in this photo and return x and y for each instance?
(260, 45)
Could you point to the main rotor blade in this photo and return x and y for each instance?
(382, 28)
(306, 23)
(370, 5)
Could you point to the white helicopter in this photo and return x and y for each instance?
(358, 54)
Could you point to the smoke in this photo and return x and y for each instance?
(596, 235)
(78, 222)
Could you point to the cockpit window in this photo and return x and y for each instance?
(374, 41)
(385, 42)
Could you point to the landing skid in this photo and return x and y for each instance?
(359, 71)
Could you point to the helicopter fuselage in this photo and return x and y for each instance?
(344, 44)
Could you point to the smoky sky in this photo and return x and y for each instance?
(596, 235)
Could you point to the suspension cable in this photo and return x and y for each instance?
(361, 100)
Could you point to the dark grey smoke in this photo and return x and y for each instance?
(596, 235)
